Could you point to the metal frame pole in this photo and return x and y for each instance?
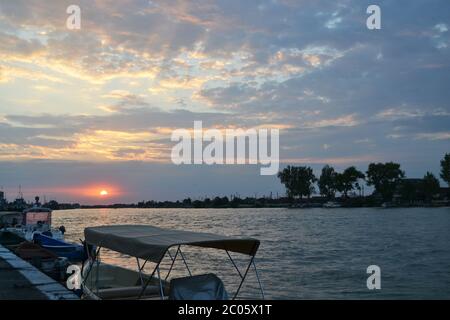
(243, 279)
(234, 264)
(91, 265)
(185, 263)
(160, 284)
(259, 281)
(140, 271)
(150, 278)
(173, 262)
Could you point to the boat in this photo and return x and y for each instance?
(73, 252)
(153, 245)
(331, 205)
(305, 205)
(43, 259)
(10, 219)
(9, 239)
(37, 219)
(387, 205)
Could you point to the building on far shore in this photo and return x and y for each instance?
(2, 200)
(411, 192)
(444, 193)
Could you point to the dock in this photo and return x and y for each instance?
(19, 280)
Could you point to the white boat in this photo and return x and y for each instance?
(148, 244)
(9, 219)
(37, 219)
(331, 205)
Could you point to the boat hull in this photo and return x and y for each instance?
(73, 252)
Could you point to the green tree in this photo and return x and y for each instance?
(445, 168)
(430, 186)
(298, 181)
(384, 177)
(327, 182)
(349, 180)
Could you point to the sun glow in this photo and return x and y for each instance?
(103, 193)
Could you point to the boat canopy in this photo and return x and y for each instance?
(151, 243)
(37, 209)
(10, 216)
(9, 213)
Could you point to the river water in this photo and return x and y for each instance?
(305, 253)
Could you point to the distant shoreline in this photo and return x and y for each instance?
(249, 202)
(256, 206)
(293, 208)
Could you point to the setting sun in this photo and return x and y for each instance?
(103, 193)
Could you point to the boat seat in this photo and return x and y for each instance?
(200, 287)
(127, 292)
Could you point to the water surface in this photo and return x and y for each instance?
(306, 253)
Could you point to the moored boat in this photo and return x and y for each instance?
(149, 244)
(73, 252)
(9, 219)
(37, 219)
(332, 205)
(43, 259)
(9, 239)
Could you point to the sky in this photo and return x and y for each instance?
(91, 109)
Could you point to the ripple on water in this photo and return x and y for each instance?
(307, 254)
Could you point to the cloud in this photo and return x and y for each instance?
(344, 121)
(115, 89)
(434, 136)
(13, 45)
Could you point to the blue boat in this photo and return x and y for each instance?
(71, 251)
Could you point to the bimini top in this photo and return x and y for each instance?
(148, 242)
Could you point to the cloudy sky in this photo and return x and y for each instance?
(94, 108)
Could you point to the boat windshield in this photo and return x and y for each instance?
(32, 218)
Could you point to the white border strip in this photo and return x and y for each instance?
(49, 287)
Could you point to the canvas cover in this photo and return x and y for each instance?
(10, 218)
(201, 287)
(151, 243)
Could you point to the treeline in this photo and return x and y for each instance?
(387, 179)
(20, 204)
(217, 202)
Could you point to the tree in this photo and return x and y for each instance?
(298, 181)
(430, 186)
(327, 182)
(445, 168)
(52, 204)
(220, 202)
(384, 177)
(349, 180)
